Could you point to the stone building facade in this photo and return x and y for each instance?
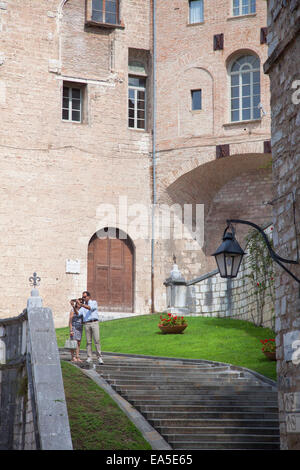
(76, 154)
(282, 67)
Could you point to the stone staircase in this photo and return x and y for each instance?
(198, 404)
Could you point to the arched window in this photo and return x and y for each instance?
(245, 88)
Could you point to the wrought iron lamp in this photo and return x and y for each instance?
(229, 255)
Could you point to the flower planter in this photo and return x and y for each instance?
(270, 355)
(175, 330)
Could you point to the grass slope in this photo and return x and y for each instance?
(217, 339)
(96, 421)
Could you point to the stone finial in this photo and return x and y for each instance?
(35, 300)
(34, 280)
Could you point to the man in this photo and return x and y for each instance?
(91, 325)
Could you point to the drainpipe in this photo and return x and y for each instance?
(153, 155)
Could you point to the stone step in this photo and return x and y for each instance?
(183, 377)
(163, 372)
(223, 415)
(191, 400)
(263, 433)
(186, 385)
(217, 425)
(199, 394)
(136, 362)
(222, 437)
(213, 445)
(154, 368)
(212, 408)
(197, 405)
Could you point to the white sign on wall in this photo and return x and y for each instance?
(290, 343)
(293, 422)
(291, 402)
(73, 266)
(2, 352)
(292, 408)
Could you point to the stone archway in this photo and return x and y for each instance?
(111, 270)
(238, 187)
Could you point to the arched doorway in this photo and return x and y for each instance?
(111, 270)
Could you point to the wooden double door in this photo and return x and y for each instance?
(111, 272)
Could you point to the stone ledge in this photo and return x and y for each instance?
(280, 48)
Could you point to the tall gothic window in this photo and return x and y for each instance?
(243, 7)
(245, 88)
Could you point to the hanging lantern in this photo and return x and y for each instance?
(229, 256)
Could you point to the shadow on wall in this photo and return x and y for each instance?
(237, 186)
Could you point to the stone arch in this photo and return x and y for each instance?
(235, 53)
(61, 6)
(222, 185)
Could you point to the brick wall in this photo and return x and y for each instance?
(188, 171)
(58, 173)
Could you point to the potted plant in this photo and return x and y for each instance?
(269, 348)
(172, 324)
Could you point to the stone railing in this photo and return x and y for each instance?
(33, 412)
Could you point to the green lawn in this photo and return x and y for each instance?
(218, 339)
(96, 421)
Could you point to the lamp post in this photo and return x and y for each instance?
(229, 255)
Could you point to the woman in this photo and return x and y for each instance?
(76, 327)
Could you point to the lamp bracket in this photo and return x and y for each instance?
(278, 259)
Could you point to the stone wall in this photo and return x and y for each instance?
(282, 67)
(17, 423)
(33, 412)
(238, 298)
